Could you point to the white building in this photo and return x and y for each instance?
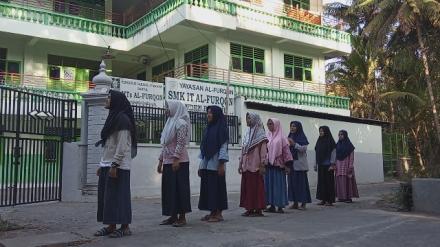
(270, 51)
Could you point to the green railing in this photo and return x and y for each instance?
(284, 96)
(41, 16)
(35, 15)
(292, 24)
(50, 93)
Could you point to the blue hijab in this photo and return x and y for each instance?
(215, 134)
(344, 147)
(299, 137)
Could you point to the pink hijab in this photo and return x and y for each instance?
(277, 141)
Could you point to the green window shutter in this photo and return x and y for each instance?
(197, 56)
(164, 67)
(298, 68)
(247, 59)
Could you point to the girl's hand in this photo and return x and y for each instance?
(221, 169)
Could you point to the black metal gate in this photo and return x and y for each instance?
(33, 129)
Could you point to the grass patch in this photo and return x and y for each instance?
(8, 226)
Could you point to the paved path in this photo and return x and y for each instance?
(363, 223)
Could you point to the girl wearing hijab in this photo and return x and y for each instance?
(118, 137)
(346, 187)
(174, 164)
(325, 165)
(279, 160)
(299, 190)
(252, 166)
(214, 155)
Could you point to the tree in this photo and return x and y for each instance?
(406, 16)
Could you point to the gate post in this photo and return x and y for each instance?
(93, 117)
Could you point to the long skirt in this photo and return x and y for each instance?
(176, 195)
(326, 184)
(213, 194)
(346, 188)
(275, 187)
(252, 191)
(117, 199)
(101, 191)
(299, 190)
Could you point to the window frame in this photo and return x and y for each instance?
(243, 56)
(303, 67)
(303, 4)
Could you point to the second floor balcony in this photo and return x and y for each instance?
(273, 19)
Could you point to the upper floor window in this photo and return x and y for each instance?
(197, 56)
(164, 67)
(247, 59)
(298, 68)
(302, 4)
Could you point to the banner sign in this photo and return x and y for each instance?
(139, 92)
(198, 95)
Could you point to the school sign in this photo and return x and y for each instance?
(139, 92)
(197, 96)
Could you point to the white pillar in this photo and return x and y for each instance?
(93, 118)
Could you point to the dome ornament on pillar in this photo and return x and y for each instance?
(102, 81)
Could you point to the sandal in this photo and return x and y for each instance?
(322, 203)
(293, 206)
(246, 214)
(329, 204)
(120, 233)
(271, 209)
(102, 232)
(215, 219)
(179, 223)
(206, 217)
(349, 201)
(168, 221)
(280, 211)
(257, 214)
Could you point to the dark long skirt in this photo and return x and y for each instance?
(299, 190)
(117, 199)
(252, 191)
(213, 194)
(176, 195)
(101, 191)
(275, 187)
(326, 184)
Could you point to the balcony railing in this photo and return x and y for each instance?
(261, 87)
(290, 19)
(66, 89)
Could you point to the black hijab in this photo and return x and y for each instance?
(120, 117)
(344, 147)
(299, 137)
(215, 134)
(324, 146)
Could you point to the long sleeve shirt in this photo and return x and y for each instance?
(117, 149)
(213, 163)
(176, 149)
(301, 164)
(252, 160)
(330, 160)
(285, 157)
(345, 167)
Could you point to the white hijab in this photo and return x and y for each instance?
(179, 117)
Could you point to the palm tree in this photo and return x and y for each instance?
(406, 16)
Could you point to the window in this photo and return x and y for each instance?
(71, 74)
(10, 71)
(197, 56)
(247, 59)
(164, 67)
(297, 68)
(142, 76)
(303, 4)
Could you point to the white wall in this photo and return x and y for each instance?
(146, 182)
(366, 138)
